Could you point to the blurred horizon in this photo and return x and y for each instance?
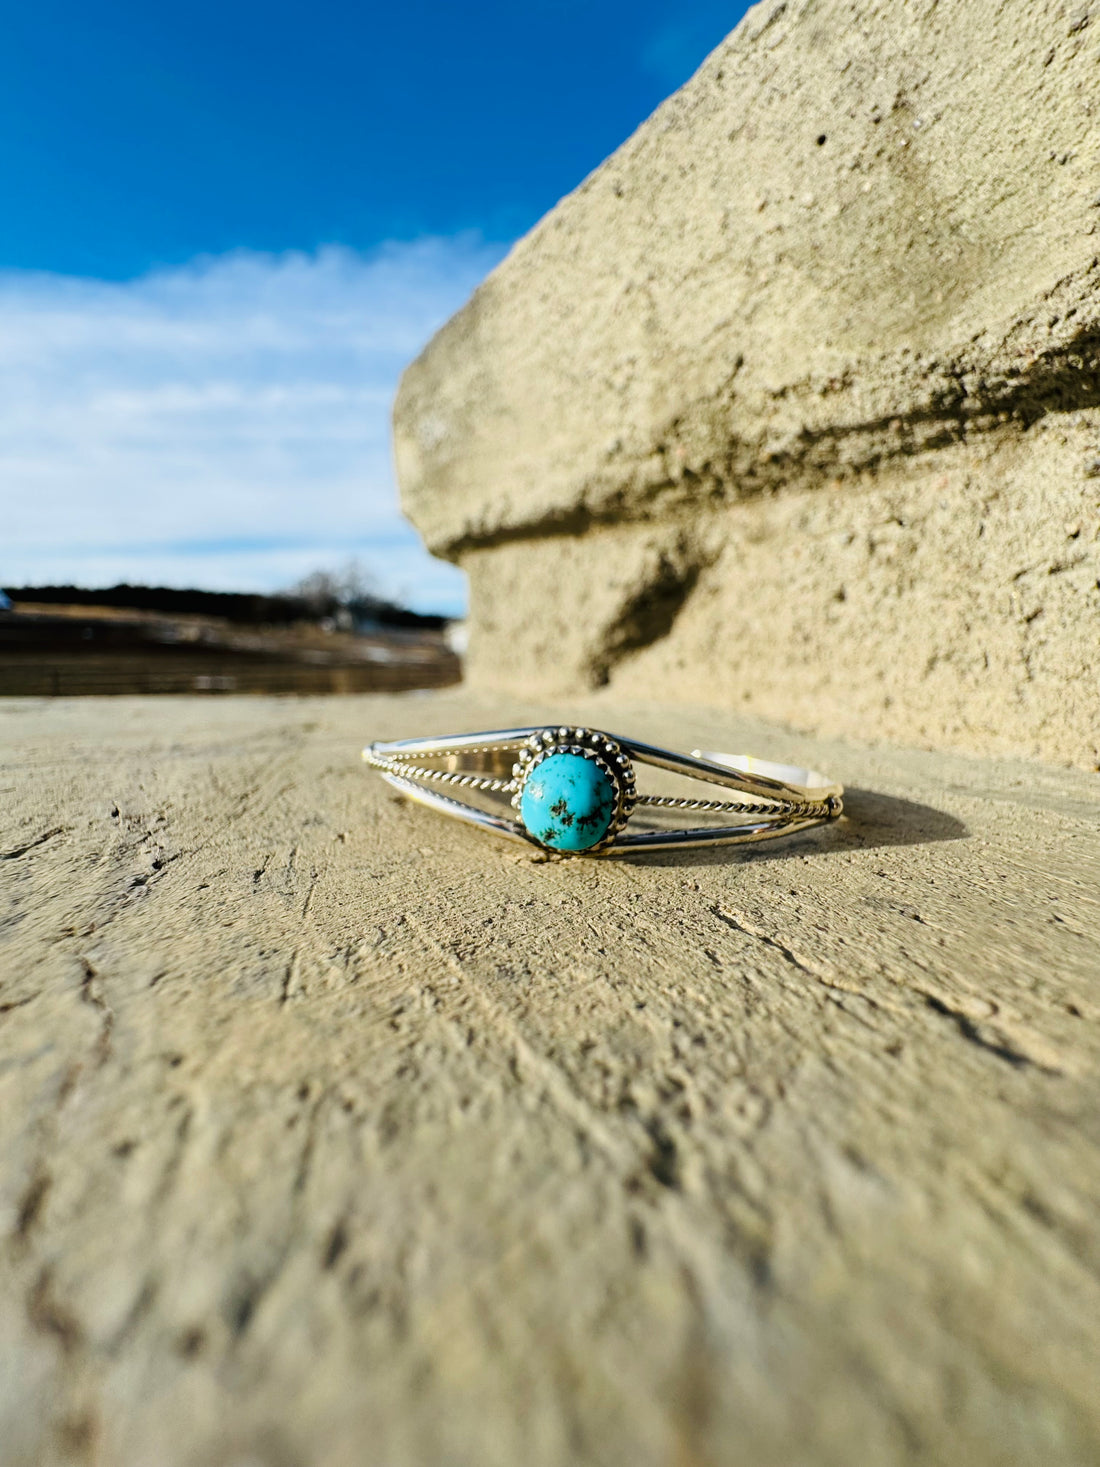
(230, 228)
(223, 425)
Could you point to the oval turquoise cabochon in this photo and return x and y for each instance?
(568, 802)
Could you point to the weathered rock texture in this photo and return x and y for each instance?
(333, 1133)
(795, 403)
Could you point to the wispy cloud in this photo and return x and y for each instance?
(225, 424)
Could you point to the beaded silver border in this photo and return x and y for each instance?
(605, 753)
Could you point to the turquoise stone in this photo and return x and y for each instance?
(568, 802)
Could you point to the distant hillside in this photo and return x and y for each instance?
(241, 607)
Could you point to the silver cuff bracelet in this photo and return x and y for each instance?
(573, 790)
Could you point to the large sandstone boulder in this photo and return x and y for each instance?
(794, 404)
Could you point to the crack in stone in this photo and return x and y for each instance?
(796, 960)
(18, 1003)
(663, 1162)
(50, 1316)
(40, 840)
(32, 1205)
(91, 992)
(973, 1033)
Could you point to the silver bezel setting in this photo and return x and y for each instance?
(604, 752)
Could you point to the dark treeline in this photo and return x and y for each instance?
(243, 607)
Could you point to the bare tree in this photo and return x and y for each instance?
(324, 591)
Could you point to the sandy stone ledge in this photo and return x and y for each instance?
(337, 1134)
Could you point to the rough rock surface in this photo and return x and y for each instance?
(336, 1133)
(794, 405)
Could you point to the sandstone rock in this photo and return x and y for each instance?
(794, 405)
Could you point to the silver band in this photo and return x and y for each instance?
(782, 798)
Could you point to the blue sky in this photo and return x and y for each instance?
(226, 229)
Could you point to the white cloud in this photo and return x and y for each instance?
(225, 424)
